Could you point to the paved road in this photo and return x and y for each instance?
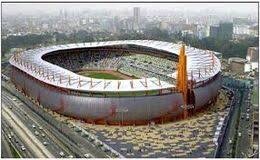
(28, 118)
(245, 127)
(31, 142)
(5, 148)
(74, 142)
(227, 147)
(43, 134)
(236, 142)
(15, 140)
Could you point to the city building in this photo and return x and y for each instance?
(214, 30)
(237, 65)
(223, 30)
(240, 21)
(136, 21)
(253, 31)
(202, 31)
(241, 29)
(218, 55)
(226, 30)
(163, 25)
(252, 57)
(187, 33)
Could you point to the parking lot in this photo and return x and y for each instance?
(192, 137)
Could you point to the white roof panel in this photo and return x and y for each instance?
(199, 62)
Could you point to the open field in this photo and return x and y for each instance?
(104, 74)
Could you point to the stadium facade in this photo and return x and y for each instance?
(40, 74)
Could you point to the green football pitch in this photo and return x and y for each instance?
(100, 75)
(114, 75)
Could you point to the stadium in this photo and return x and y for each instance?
(129, 82)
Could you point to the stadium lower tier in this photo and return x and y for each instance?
(114, 110)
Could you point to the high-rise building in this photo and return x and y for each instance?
(61, 13)
(136, 21)
(213, 31)
(226, 30)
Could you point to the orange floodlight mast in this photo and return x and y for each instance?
(182, 79)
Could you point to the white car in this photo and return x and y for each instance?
(70, 156)
(87, 155)
(36, 133)
(91, 139)
(23, 148)
(85, 135)
(45, 143)
(100, 144)
(104, 149)
(33, 126)
(61, 154)
(78, 130)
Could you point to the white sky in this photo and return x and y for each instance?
(27, 8)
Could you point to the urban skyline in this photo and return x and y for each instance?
(27, 8)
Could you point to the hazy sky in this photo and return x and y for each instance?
(27, 8)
